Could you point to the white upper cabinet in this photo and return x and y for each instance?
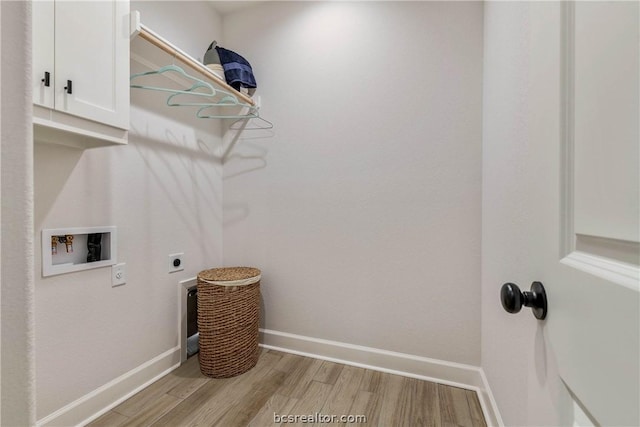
(43, 56)
(81, 49)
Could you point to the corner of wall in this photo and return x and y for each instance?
(16, 266)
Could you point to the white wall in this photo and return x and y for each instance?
(17, 341)
(363, 210)
(164, 193)
(192, 25)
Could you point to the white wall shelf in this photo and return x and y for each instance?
(62, 254)
(151, 52)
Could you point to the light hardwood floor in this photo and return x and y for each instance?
(286, 384)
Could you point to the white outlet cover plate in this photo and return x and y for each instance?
(172, 258)
(118, 274)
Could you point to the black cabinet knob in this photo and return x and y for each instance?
(513, 299)
(69, 87)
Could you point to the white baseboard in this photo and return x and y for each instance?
(439, 371)
(92, 405)
(491, 413)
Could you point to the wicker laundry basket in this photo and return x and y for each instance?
(228, 320)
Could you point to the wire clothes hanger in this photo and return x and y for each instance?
(252, 112)
(206, 97)
(226, 99)
(242, 121)
(197, 83)
(238, 124)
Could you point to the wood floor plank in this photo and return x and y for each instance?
(247, 405)
(404, 410)
(182, 413)
(143, 399)
(374, 409)
(390, 389)
(187, 380)
(298, 380)
(364, 404)
(454, 408)
(297, 389)
(328, 372)
(181, 382)
(313, 399)
(431, 401)
(475, 409)
(110, 419)
(153, 412)
(344, 391)
(418, 404)
(371, 381)
(211, 401)
(276, 405)
(275, 352)
(288, 362)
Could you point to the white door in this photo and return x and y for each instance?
(567, 205)
(92, 60)
(595, 327)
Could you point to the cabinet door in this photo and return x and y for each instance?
(43, 54)
(92, 52)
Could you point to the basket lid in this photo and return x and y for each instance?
(230, 276)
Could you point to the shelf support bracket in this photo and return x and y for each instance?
(135, 26)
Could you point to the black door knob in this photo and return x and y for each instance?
(513, 299)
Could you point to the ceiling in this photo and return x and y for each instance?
(225, 7)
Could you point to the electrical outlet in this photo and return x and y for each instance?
(118, 274)
(176, 262)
